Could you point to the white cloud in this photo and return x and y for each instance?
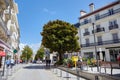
(22, 46)
(49, 11)
(34, 47)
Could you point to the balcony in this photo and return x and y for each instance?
(85, 22)
(86, 33)
(115, 26)
(108, 14)
(114, 41)
(100, 43)
(99, 30)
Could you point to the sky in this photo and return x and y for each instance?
(33, 14)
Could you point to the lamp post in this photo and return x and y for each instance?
(95, 47)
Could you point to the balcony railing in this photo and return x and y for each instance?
(99, 30)
(114, 41)
(115, 26)
(108, 14)
(85, 22)
(86, 33)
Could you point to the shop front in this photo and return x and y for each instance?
(114, 52)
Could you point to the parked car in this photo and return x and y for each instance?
(34, 61)
(39, 62)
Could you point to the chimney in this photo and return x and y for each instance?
(92, 7)
(82, 13)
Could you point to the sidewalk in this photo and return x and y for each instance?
(63, 75)
(10, 71)
(87, 73)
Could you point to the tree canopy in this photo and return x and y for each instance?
(60, 36)
(40, 53)
(26, 53)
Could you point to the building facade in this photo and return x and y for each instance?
(9, 28)
(100, 32)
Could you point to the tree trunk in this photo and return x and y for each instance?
(61, 57)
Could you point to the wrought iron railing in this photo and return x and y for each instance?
(114, 41)
(86, 33)
(99, 30)
(115, 26)
(108, 14)
(85, 22)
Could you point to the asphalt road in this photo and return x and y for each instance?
(34, 72)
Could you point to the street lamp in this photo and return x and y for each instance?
(95, 47)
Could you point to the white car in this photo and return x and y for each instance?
(39, 62)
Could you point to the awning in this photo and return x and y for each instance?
(2, 53)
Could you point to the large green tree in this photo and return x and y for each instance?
(27, 53)
(60, 36)
(40, 53)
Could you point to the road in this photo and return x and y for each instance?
(34, 72)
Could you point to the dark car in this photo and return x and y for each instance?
(34, 61)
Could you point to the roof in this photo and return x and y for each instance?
(100, 9)
(77, 25)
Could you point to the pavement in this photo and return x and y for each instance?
(40, 72)
(34, 72)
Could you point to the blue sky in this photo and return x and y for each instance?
(33, 14)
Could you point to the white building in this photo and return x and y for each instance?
(106, 22)
(9, 29)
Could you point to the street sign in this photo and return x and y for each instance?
(14, 51)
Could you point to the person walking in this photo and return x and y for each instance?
(118, 59)
(8, 62)
(12, 62)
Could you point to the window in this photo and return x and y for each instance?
(97, 26)
(111, 23)
(99, 38)
(86, 30)
(85, 21)
(97, 17)
(115, 37)
(111, 11)
(87, 42)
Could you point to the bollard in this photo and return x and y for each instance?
(56, 71)
(67, 75)
(60, 73)
(96, 77)
(77, 74)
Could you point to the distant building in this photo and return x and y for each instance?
(107, 32)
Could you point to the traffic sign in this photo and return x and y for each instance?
(14, 51)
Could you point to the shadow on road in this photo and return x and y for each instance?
(38, 67)
(117, 75)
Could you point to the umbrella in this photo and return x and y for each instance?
(2, 53)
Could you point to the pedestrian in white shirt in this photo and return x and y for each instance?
(12, 62)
